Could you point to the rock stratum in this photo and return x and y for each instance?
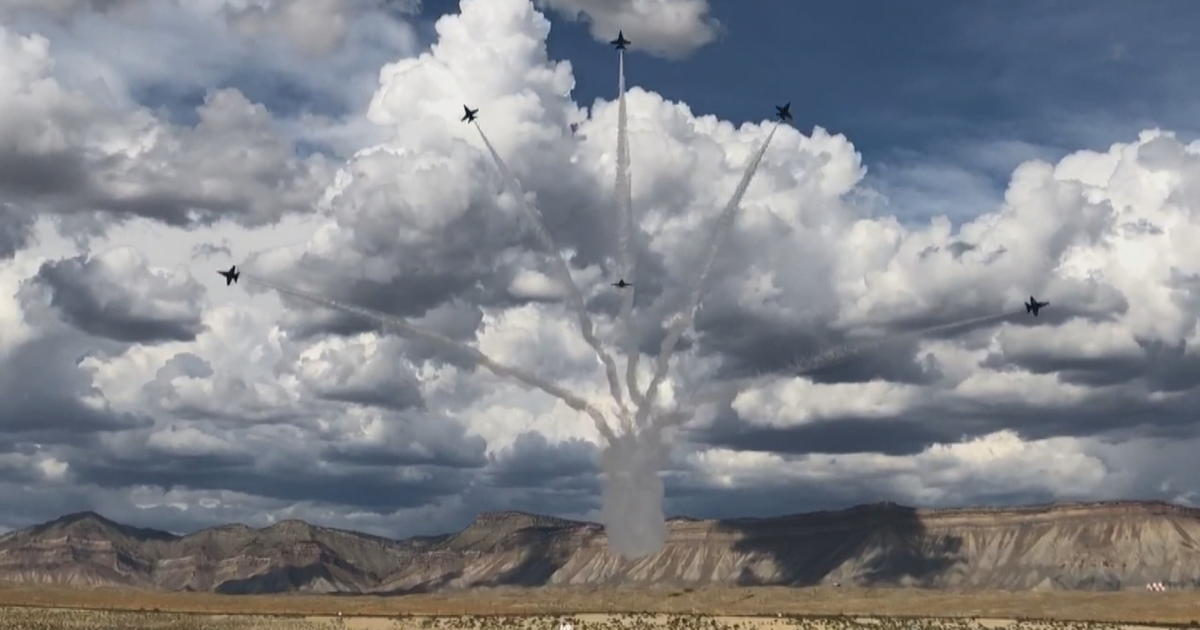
(1077, 546)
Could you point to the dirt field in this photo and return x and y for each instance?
(40, 608)
(25, 618)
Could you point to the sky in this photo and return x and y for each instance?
(943, 165)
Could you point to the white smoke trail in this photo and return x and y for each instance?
(627, 228)
(574, 296)
(685, 319)
(845, 351)
(474, 354)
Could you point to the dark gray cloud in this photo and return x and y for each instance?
(27, 176)
(1108, 412)
(15, 229)
(45, 391)
(1162, 367)
(401, 396)
(83, 149)
(356, 373)
(28, 504)
(118, 297)
(67, 8)
(298, 477)
(891, 436)
(413, 440)
(532, 462)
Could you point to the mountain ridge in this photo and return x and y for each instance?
(1099, 545)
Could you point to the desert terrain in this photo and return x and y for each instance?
(66, 619)
(877, 566)
(766, 608)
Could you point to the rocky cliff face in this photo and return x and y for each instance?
(1098, 546)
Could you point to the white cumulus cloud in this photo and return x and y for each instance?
(668, 28)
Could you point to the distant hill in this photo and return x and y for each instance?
(1079, 546)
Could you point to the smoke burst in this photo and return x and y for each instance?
(632, 509)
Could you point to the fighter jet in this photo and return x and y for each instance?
(469, 114)
(1033, 305)
(621, 284)
(783, 113)
(231, 276)
(620, 42)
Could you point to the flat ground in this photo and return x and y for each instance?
(38, 607)
(18, 618)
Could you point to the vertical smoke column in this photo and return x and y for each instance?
(627, 226)
(479, 358)
(685, 319)
(560, 265)
(632, 511)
